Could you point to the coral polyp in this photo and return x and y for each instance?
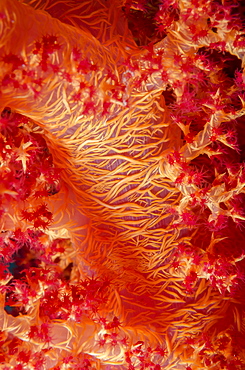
(122, 185)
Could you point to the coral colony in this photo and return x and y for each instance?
(122, 204)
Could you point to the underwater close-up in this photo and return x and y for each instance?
(122, 184)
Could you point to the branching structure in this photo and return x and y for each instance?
(122, 185)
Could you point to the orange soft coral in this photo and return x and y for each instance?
(148, 142)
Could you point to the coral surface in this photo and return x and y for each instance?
(122, 174)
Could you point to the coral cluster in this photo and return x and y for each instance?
(122, 185)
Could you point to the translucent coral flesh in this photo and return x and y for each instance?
(152, 183)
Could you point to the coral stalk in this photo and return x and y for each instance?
(138, 249)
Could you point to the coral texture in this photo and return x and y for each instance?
(122, 184)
